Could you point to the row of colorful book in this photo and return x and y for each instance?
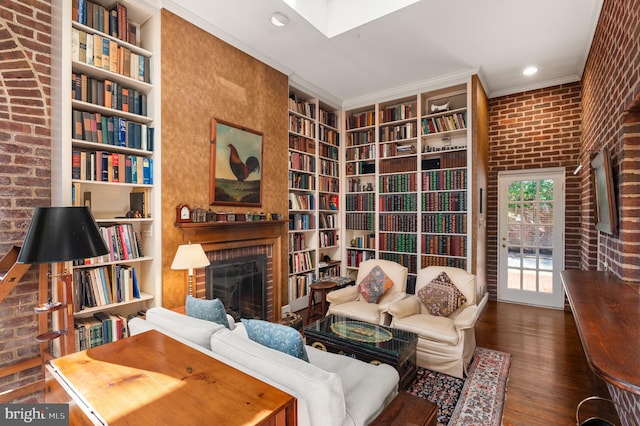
(398, 222)
(111, 130)
(105, 53)
(112, 21)
(406, 243)
(108, 94)
(398, 202)
(103, 166)
(99, 329)
(104, 285)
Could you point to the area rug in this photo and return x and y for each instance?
(477, 400)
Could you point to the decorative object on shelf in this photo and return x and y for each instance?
(235, 169)
(198, 215)
(61, 234)
(369, 186)
(439, 108)
(188, 257)
(276, 216)
(183, 213)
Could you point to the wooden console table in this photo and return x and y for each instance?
(152, 379)
(607, 315)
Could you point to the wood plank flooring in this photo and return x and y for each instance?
(549, 373)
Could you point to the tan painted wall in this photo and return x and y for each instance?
(204, 77)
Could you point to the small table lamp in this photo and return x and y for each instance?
(61, 234)
(188, 257)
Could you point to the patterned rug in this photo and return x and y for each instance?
(478, 400)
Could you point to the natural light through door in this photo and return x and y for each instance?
(531, 237)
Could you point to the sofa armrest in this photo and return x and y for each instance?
(343, 295)
(405, 307)
(467, 318)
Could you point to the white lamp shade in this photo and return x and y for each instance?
(190, 256)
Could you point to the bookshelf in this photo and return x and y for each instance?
(314, 193)
(106, 152)
(409, 164)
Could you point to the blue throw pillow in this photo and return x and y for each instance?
(276, 336)
(210, 310)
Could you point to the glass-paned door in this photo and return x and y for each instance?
(531, 236)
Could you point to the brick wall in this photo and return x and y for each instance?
(25, 40)
(611, 82)
(533, 130)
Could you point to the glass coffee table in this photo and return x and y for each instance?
(367, 342)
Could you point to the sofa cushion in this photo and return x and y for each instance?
(320, 397)
(205, 309)
(440, 296)
(192, 329)
(374, 285)
(276, 336)
(368, 388)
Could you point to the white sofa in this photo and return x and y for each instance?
(331, 389)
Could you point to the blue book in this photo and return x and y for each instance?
(147, 171)
(136, 288)
(104, 281)
(122, 132)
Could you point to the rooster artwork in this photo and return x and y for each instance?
(236, 166)
(240, 169)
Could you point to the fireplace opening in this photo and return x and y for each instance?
(240, 284)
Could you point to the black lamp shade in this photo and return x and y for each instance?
(61, 234)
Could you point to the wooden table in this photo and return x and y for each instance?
(152, 379)
(407, 409)
(607, 315)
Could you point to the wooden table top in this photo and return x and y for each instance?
(151, 378)
(607, 315)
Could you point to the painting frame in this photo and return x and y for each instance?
(235, 176)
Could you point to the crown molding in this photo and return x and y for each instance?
(409, 89)
(535, 86)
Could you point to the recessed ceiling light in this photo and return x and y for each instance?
(530, 70)
(279, 19)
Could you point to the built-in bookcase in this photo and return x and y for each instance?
(107, 151)
(314, 193)
(407, 180)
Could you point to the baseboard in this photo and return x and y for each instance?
(483, 303)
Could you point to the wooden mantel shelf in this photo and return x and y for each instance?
(607, 315)
(231, 231)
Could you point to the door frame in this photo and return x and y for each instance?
(556, 300)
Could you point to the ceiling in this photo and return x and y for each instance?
(424, 44)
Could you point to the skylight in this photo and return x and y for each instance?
(334, 17)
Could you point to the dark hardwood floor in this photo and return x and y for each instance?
(549, 374)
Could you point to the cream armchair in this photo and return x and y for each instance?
(350, 303)
(445, 343)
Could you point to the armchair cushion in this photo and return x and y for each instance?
(276, 336)
(441, 297)
(374, 285)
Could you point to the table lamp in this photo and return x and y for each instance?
(188, 257)
(61, 234)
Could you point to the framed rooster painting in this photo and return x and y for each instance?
(236, 165)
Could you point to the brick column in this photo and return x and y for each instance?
(25, 169)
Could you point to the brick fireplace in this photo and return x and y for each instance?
(222, 241)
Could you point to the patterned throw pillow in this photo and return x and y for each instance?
(374, 285)
(441, 297)
(276, 336)
(209, 310)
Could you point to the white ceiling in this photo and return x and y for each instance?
(426, 43)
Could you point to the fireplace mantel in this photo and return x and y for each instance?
(232, 231)
(227, 235)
